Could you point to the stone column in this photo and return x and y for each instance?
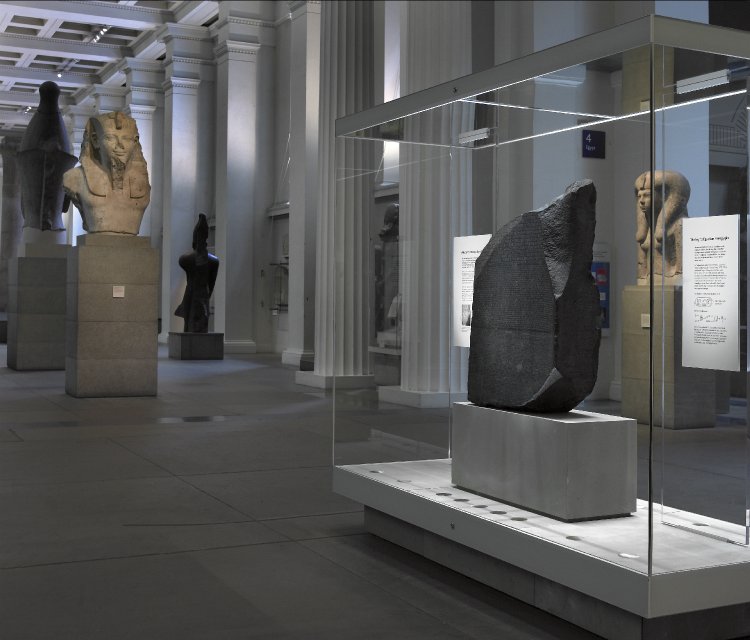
(11, 226)
(109, 98)
(188, 52)
(144, 102)
(435, 206)
(244, 167)
(76, 116)
(341, 322)
(303, 187)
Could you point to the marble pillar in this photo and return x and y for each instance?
(341, 284)
(244, 150)
(144, 102)
(435, 206)
(76, 118)
(11, 225)
(303, 187)
(188, 53)
(109, 98)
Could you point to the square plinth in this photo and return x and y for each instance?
(36, 308)
(112, 316)
(196, 346)
(571, 466)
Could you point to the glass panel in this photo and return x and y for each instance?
(701, 458)
(642, 127)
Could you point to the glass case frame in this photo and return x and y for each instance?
(485, 113)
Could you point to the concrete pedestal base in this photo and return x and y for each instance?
(571, 466)
(196, 346)
(690, 395)
(36, 308)
(112, 317)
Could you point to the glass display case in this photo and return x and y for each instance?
(638, 496)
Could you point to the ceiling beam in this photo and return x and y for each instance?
(22, 74)
(115, 15)
(25, 99)
(8, 117)
(196, 12)
(63, 48)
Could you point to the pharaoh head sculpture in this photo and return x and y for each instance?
(111, 186)
(671, 192)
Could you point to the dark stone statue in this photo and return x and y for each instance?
(201, 268)
(390, 223)
(536, 319)
(43, 157)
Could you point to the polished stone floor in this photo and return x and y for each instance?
(206, 513)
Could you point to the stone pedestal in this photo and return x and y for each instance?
(690, 395)
(36, 308)
(196, 346)
(112, 317)
(571, 466)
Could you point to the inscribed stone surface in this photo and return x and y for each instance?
(536, 319)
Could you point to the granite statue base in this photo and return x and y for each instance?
(570, 466)
(36, 308)
(196, 346)
(112, 317)
(690, 395)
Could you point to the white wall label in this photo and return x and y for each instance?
(645, 320)
(711, 293)
(466, 250)
(118, 291)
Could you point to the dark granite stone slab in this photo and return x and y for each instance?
(536, 320)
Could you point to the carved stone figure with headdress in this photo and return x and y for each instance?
(110, 187)
(671, 193)
(43, 157)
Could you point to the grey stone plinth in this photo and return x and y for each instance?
(196, 346)
(36, 308)
(571, 466)
(112, 315)
(690, 395)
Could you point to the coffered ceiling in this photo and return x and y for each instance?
(78, 43)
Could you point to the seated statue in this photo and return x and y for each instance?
(111, 187)
(201, 268)
(671, 194)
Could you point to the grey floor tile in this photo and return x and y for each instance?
(40, 462)
(264, 447)
(463, 604)
(51, 523)
(274, 591)
(277, 494)
(325, 526)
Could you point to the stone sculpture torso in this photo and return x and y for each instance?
(43, 157)
(536, 319)
(201, 268)
(111, 186)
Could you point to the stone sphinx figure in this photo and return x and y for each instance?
(671, 194)
(43, 157)
(201, 268)
(111, 187)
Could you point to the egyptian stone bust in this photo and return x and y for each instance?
(43, 158)
(110, 187)
(671, 193)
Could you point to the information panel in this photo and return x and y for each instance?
(711, 293)
(466, 250)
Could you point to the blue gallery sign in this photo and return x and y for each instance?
(593, 143)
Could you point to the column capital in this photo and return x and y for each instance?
(244, 29)
(234, 50)
(176, 84)
(141, 111)
(301, 7)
